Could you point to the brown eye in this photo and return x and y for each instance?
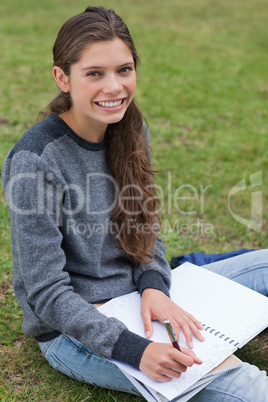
(93, 74)
(125, 70)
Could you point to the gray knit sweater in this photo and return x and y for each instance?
(60, 194)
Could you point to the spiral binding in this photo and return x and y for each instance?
(219, 334)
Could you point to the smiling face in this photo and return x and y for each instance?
(101, 84)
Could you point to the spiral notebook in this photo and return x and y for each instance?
(231, 314)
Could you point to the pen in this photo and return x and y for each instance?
(172, 335)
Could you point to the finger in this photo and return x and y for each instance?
(174, 368)
(179, 367)
(197, 333)
(147, 323)
(195, 321)
(180, 360)
(199, 325)
(189, 327)
(161, 377)
(172, 373)
(188, 335)
(192, 355)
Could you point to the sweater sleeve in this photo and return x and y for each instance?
(41, 283)
(156, 274)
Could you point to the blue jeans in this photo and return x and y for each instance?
(247, 384)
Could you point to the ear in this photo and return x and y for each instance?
(61, 79)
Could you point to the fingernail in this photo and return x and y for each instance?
(147, 334)
(202, 338)
(191, 345)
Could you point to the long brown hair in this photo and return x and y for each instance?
(128, 153)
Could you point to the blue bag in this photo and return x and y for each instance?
(200, 259)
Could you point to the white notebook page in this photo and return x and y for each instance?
(218, 302)
(228, 307)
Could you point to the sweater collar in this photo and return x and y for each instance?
(92, 146)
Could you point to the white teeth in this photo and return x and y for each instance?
(110, 104)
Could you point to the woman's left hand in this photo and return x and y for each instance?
(155, 305)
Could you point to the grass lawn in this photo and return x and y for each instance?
(203, 87)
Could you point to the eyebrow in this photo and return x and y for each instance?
(100, 67)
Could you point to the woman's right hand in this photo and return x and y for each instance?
(162, 362)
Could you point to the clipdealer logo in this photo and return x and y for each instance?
(185, 199)
(254, 222)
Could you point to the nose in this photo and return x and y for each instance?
(112, 85)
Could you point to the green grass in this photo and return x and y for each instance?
(203, 87)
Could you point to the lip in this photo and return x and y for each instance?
(111, 109)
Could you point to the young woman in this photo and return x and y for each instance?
(79, 187)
